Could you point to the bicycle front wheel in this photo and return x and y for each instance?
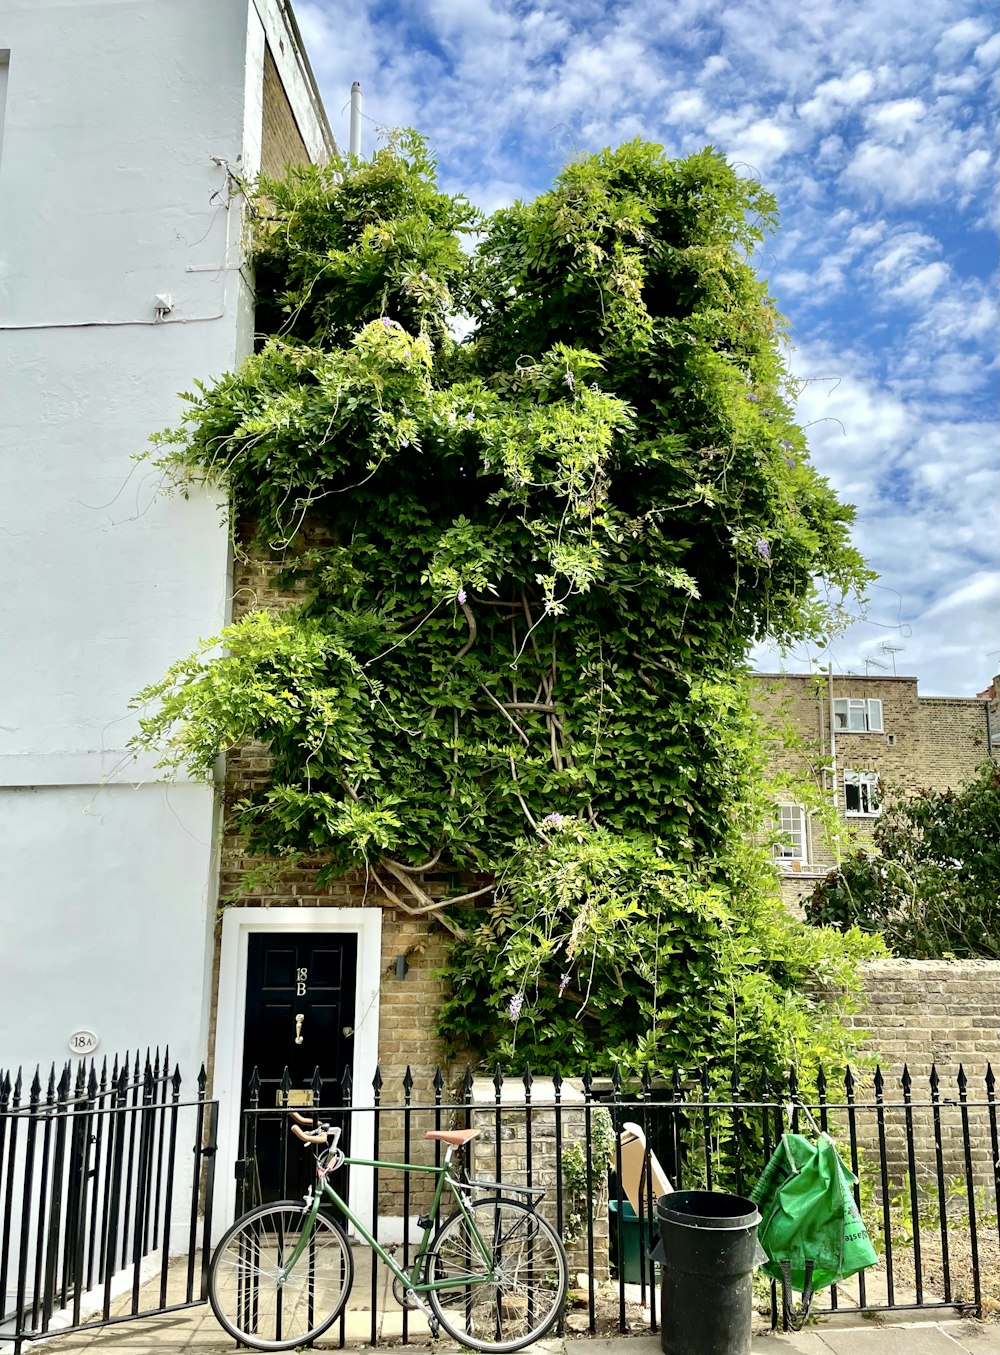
(256, 1301)
(509, 1271)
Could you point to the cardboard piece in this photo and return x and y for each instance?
(636, 1159)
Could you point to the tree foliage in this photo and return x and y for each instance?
(931, 886)
(534, 563)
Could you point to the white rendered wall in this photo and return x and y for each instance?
(109, 195)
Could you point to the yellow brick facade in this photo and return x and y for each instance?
(924, 742)
(281, 140)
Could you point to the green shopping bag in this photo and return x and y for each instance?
(810, 1226)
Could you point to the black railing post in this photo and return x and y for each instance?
(883, 1166)
(168, 1196)
(616, 1092)
(42, 1213)
(588, 1097)
(942, 1194)
(852, 1130)
(113, 1193)
(991, 1104)
(970, 1189)
(557, 1083)
(906, 1082)
(407, 1130)
(376, 1133)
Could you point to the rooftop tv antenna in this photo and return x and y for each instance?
(888, 648)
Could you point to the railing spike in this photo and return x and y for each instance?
(347, 1086)
(879, 1081)
(527, 1079)
(253, 1086)
(962, 1080)
(408, 1082)
(50, 1086)
(588, 1084)
(316, 1086)
(498, 1079)
(848, 1080)
(820, 1082)
(616, 1081)
(92, 1084)
(906, 1082)
(202, 1082)
(377, 1080)
(438, 1080)
(35, 1092)
(175, 1081)
(557, 1082)
(991, 1081)
(467, 1083)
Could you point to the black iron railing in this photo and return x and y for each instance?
(926, 1158)
(104, 1177)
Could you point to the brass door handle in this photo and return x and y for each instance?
(298, 1027)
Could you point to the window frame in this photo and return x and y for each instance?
(784, 852)
(866, 707)
(869, 792)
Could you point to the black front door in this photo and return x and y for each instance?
(299, 1017)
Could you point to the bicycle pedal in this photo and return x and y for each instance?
(435, 1327)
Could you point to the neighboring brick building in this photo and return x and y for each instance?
(884, 741)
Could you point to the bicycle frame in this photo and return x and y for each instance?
(409, 1281)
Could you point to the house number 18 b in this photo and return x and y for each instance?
(301, 975)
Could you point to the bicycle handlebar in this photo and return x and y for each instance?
(321, 1137)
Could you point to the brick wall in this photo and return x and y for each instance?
(941, 1012)
(926, 742)
(543, 1160)
(281, 141)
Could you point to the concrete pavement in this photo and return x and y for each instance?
(196, 1332)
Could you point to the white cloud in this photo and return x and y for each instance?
(873, 124)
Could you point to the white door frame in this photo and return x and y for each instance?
(237, 924)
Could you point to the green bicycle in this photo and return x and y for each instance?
(493, 1274)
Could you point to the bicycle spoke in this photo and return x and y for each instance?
(516, 1295)
(259, 1305)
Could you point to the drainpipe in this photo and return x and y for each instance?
(833, 756)
(355, 146)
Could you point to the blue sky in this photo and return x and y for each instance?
(874, 125)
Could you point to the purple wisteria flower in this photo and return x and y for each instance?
(461, 596)
(516, 1003)
(569, 380)
(763, 549)
(786, 446)
(553, 820)
(754, 399)
(563, 982)
(387, 324)
(790, 462)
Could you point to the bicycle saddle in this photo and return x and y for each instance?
(456, 1137)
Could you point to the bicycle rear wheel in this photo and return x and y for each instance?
(510, 1299)
(248, 1294)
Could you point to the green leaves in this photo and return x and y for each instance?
(526, 570)
(931, 885)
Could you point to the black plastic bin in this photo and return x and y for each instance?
(709, 1251)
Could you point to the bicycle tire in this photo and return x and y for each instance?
(253, 1305)
(527, 1296)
